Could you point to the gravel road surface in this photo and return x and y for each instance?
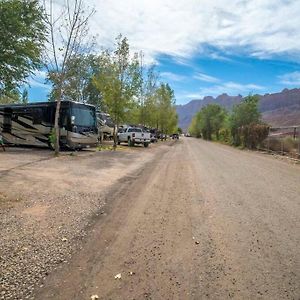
(196, 221)
(47, 206)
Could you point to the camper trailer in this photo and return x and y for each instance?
(32, 124)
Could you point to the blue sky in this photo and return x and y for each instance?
(200, 76)
(203, 47)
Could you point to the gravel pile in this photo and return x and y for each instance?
(35, 243)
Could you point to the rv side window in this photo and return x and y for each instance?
(49, 114)
(64, 117)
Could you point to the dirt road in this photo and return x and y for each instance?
(201, 221)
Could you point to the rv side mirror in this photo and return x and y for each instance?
(72, 120)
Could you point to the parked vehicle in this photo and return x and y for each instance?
(162, 136)
(133, 135)
(175, 136)
(153, 135)
(153, 138)
(105, 126)
(32, 124)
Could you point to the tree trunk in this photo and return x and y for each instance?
(56, 123)
(115, 134)
(115, 138)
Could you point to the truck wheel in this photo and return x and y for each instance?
(146, 145)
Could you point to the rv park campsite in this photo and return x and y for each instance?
(149, 150)
(185, 219)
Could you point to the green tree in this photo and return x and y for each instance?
(195, 126)
(243, 114)
(242, 127)
(22, 36)
(12, 96)
(167, 118)
(145, 109)
(218, 115)
(78, 83)
(118, 81)
(151, 110)
(208, 121)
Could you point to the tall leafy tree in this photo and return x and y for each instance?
(208, 121)
(78, 83)
(166, 113)
(118, 81)
(145, 109)
(213, 116)
(150, 113)
(244, 113)
(22, 39)
(195, 126)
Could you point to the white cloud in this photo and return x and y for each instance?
(230, 88)
(181, 28)
(205, 78)
(242, 87)
(172, 76)
(290, 78)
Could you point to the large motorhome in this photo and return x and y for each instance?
(32, 124)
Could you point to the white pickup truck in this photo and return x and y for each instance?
(133, 135)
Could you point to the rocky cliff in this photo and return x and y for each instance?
(278, 109)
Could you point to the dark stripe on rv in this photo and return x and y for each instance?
(42, 140)
(25, 124)
(29, 118)
(17, 136)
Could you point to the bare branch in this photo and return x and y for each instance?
(52, 34)
(71, 24)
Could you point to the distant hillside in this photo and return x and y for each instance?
(279, 109)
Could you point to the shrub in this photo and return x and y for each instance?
(224, 135)
(253, 135)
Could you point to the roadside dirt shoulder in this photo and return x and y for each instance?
(46, 205)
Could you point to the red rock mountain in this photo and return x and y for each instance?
(278, 109)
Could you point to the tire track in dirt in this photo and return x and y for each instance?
(200, 221)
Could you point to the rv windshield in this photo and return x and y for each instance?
(84, 117)
(106, 119)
